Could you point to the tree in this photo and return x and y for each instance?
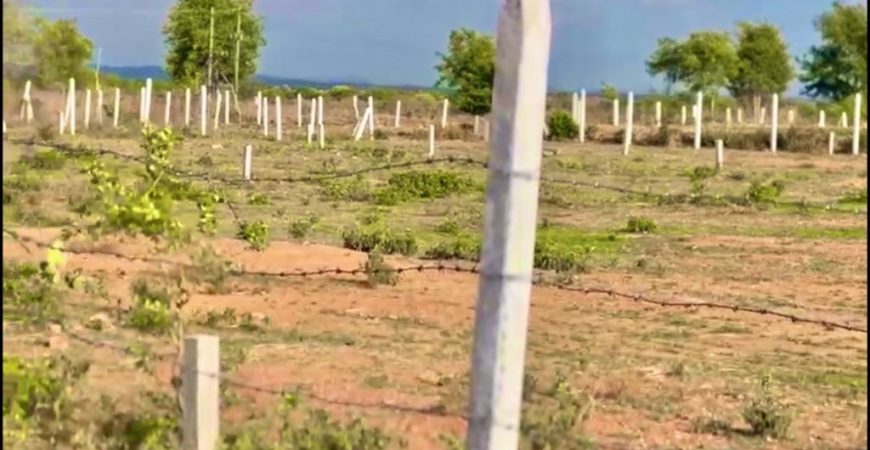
(666, 61)
(60, 51)
(187, 38)
(608, 92)
(709, 61)
(469, 69)
(764, 63)
(837, 69)
(705, 61)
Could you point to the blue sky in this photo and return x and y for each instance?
(395, 41)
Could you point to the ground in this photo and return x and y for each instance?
(399, 355)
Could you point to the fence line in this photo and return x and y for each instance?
(204, 176)
(458, 268)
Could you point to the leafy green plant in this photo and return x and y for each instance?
(765, 415)
(551, 418)
(355, 189)
(258, 198)
(47, 160)
(153, 308)
(256, 234)
(562, 126)
(318, 431)
(640, 224)
(146, 205)
(386, 240)
(406, 186)
(36, 402)
(463, 247)
(378, 272)
(552, 256)
(29, 292)
(299, 228)
(211, 269)
(764, 192)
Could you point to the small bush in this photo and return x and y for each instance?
(378, 272)
(551, 418)
(764, 192)
(640, 225)
(29, 292)
(151, 312)
(562, 126)
(378, 238)
(550, 256)
(209, 268)
(256, 234)
(44, 160)
(258, 199)
(765, 415)
(405, 186)
(354, 190)
(317, 430)
(462, 247)
(300, 228)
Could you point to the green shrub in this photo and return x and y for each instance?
(552, 256)
(151, 312)
(764, 192)
(318, 431)
(379, 238)
(299, 228)
(640, 225)
(378, 272)
(258, 198)
(355, 190)
(765, 415)
(256, 234)
(47, 160)
(551, 418)
(29, 292)
(406, 186)
(462, 247)
(562, 126)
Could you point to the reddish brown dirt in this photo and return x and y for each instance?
(395, 354)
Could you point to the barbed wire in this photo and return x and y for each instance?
(232, 180)
(229, 381)
(475, 270)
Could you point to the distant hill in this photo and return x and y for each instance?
(157, 73)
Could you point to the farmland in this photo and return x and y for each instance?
(783, 232)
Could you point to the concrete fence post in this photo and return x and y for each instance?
(200, 386)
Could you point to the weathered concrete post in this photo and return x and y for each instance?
(582, 112)
(698, 113)
(856, 128)
(629, 124)
(774, 123)
(501, 313)
(116, 109)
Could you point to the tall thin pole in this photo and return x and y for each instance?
(856, 130)
(698, 111)
(97, 72)
(238, 48)
(210, 45)
(501, 317)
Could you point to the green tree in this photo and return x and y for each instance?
(667, 61)
(765, 65)
(60, 51)
(608, 92)
(705, 61)
(187, 38)
(709, 61)
(469, 69)
(837, 69)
